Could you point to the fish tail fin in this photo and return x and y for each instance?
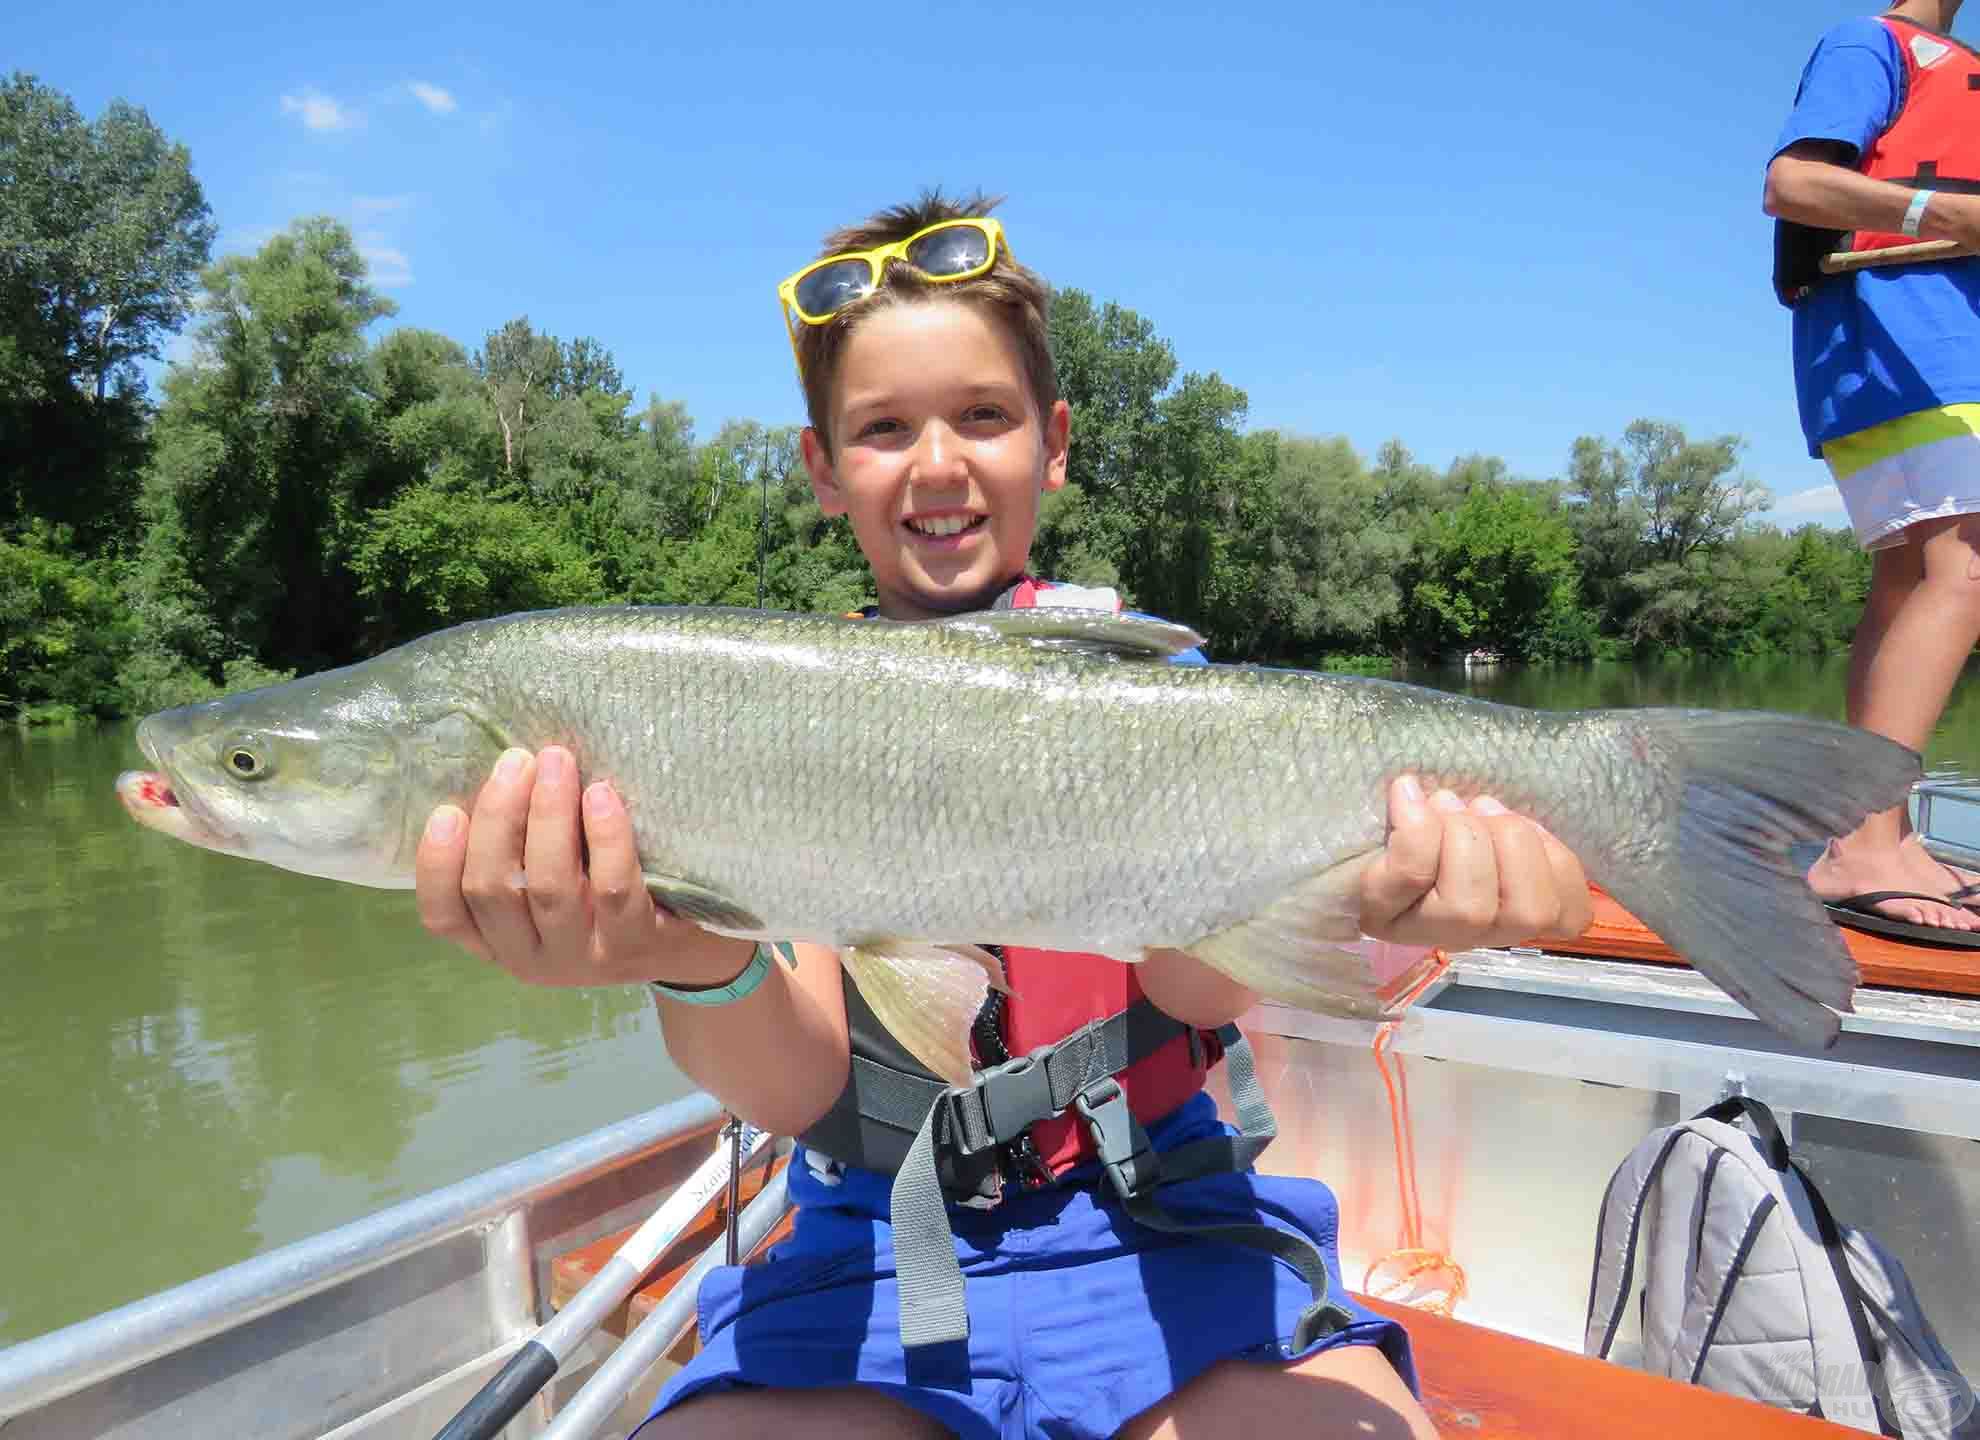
(1710, 871)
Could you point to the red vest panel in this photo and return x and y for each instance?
(1053, 993)
(1934, 144)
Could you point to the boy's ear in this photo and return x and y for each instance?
(824, 480)
(1058, 443)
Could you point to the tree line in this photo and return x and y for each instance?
(310, 487)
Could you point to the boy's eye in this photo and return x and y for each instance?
(878, 427)
(985, 412)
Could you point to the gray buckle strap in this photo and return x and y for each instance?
(1126, 1158)
(1136, 1172)
(926, 1270)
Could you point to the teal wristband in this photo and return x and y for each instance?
(737, 989)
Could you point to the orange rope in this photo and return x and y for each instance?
(1410, 1257)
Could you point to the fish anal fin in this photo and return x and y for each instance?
(701, 905)
(927, 995)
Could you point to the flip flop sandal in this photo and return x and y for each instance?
(1856, 913)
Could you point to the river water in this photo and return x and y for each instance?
(202, 1058)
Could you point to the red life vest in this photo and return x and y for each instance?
(1934, 144)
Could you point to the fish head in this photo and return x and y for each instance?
(320, 775)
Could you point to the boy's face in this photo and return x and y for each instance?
(940, 456)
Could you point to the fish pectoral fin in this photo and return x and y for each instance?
(1295, 952)
(927, 996)
(700, 904)
(1091, 632)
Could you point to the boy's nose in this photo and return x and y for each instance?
(937, 455)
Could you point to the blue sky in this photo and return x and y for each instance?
(1478, 227)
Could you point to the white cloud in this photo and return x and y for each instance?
(440, 102)
(319, 112)
(379, 204)
(1815, 500)
(389, 266)
(244, 239)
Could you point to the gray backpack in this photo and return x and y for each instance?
(1750, 1287)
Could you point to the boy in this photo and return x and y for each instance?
(936, 427)
(1883, 148)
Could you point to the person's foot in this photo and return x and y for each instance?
(1846, 870)
(1935, 874)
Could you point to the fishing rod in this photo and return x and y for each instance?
(536, 1363)
(1843, 261)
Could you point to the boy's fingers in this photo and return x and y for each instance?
(1528, 901)
(553, 860)
(437, 869)
(622, 911)
(493, 880)
(1465, 901)
(1407, 867)
(1571, 884)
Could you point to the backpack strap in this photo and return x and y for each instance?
(1616, 1235)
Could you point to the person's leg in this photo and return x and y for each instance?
(1350, 1390)
(844, 1413)
(1920, 623)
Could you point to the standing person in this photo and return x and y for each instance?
(1883, 148)
(936, 428)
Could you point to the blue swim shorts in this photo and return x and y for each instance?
(1079, 1317)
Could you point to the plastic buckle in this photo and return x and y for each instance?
(1009, 1098)
(1130, 1164)
(1016, 1095)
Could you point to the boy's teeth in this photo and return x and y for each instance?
(942, 525)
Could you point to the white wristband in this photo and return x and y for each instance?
(1915, 212)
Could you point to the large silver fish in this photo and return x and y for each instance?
(1034, 777)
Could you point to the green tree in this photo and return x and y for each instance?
(1496, 573)
(264, 449)
(103, 230)
(1319, 555)
(437, 556)
(62, 630)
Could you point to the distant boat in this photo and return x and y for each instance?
(1473, 659)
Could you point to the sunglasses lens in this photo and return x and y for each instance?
(830, 288)
(954, 251)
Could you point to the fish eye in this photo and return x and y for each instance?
(245, 761)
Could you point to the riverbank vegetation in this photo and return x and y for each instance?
(311, 484)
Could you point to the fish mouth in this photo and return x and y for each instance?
(150, 798)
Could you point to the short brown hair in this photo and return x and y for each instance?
(1008, 293)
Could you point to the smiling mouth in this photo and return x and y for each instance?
(946, 527)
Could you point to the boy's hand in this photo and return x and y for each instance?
(1458, 877)
(511, 885)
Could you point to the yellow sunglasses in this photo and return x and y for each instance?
(946, 251)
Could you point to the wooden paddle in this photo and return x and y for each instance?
(1845, 260)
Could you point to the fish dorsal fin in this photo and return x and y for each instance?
(1090, 632)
